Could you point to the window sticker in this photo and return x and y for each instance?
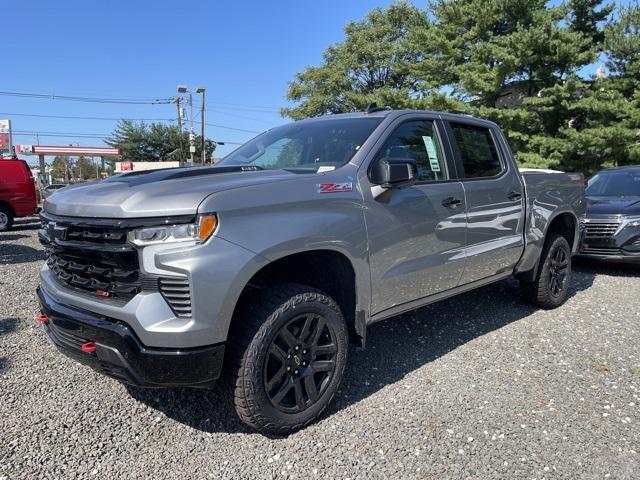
(325, 168)
(431, 152)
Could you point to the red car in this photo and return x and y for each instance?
(17, 191)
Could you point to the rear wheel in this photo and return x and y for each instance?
(288, 352)
(6, 218)
(551, 285)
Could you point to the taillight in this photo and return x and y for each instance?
(89, 347)
(42, 319)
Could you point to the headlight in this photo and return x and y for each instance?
(631, 221)
(198, 232)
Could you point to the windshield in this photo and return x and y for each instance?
(306, 147)
(615, 184)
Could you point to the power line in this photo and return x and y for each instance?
(55, 135)
(32, 133)
(247, 108)
(72, 133)
(125, 101)
(89, 118)
(229, 128)
(244, 117)
(122, 118)
(134, 99)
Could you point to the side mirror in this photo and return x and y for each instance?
(394, 172)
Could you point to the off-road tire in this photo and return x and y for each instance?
(264, 314)
(539, 291)
(6, 212)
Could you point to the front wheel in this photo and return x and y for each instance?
(550, 288)
(288, 351)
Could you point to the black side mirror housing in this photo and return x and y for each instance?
(394, 172)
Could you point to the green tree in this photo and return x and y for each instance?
(154, 142)
(587, 17)
(84, 169)
(372, 64)
(517, 62)
(61, 169)
(506, 60)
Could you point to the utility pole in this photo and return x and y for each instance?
(192, 135)
(204, 144)
(178, 100)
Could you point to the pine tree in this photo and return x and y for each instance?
(372, 64)
(520, 63)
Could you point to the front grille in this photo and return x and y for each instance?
(66, 338)
(600, 250)
(96, 235)
(600, 230)
(116, 276)
(96, 258)
(177, 293)
(92, 259)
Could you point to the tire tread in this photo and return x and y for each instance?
(249, 332)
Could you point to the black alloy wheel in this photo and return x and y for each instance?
(300, 363)
(558, 269)
(550, 287)
(287, 354)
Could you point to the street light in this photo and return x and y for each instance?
(192, 147)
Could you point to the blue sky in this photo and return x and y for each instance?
(243, 52)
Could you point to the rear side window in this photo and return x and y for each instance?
(416, 140)
(477, 151)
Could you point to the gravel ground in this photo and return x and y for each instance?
(480, 386)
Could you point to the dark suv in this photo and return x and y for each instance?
(611, 226)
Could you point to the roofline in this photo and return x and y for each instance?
(397, 113)
(621, 167)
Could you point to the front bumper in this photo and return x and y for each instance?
(120, 354)
(611, 257)
(610, 239)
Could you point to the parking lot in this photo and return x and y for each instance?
(478, 386)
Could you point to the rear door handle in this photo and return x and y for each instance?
(514, 195)
(451, 202)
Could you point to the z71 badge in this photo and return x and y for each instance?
(335, 187)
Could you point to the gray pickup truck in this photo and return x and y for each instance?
(264, 268)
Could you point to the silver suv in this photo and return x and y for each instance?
(263, 268)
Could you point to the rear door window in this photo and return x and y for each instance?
(478, 153)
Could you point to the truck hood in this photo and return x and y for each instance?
(155, 193)
(627, 205)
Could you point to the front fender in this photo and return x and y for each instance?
(295, 218)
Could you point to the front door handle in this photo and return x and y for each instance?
(451, 202)
(514, 195)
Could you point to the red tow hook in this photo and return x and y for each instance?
(89, 347)
(42, 319)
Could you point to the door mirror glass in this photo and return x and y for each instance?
(394, 172)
